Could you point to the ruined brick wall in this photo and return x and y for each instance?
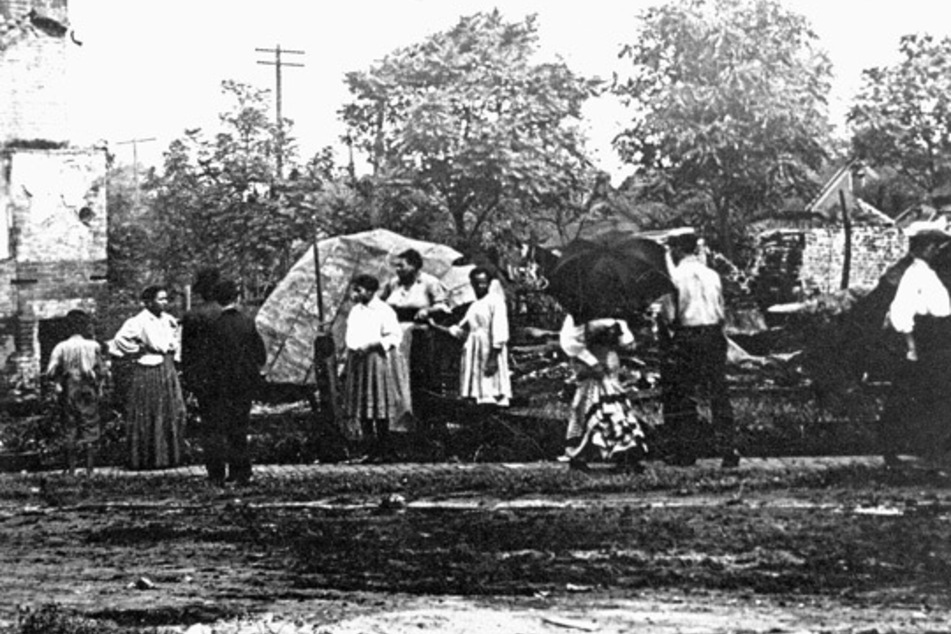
(874, 248)
(55, 206)
(33, 82)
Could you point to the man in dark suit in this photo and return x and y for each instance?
(196, 337)
(236, 354)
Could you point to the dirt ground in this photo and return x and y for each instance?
(781, 545)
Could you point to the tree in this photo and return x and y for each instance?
(730, 107)
(130, 231)
(220, 201)
(901, 117)
(467, 121)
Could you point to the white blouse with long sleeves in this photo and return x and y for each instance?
(920, 292)
(153, 337)
(371, 324)
(572, 338)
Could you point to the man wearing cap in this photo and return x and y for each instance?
(919, 312)
(695, 317)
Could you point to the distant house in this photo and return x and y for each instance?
(53, 221)
(836, 238)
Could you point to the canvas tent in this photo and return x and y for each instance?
(289, 319)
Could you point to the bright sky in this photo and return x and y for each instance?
(153, 69)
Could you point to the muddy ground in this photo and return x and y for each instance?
(817, 545)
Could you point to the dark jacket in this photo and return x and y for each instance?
(237, 357)
(198, 347)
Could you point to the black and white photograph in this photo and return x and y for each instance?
(474, 316)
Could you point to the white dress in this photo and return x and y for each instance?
(488, 327)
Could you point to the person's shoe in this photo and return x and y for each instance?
(681, 460)
(629, 467)
(575, 464)
(731, 460)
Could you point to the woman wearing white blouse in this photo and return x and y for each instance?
(155, 410)
(376, 378)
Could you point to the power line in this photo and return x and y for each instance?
(135, 163)
(278, 64)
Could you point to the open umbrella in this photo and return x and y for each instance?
(612, 273)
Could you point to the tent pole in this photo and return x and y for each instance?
(325, 360)
(319, 284)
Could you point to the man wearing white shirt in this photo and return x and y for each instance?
(920, 313)
(695, 315)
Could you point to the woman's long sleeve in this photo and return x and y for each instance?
(500, 322)
(128, 341)
(572, 341)
(391, 333)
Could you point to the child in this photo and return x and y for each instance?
(76, 367)
(376, 385)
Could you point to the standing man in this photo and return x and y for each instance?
(197, 343)
(236, 354)
(695, 316)
(915, 411)
(77, 369)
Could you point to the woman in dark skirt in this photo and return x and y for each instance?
(376, 379)
(155, 410)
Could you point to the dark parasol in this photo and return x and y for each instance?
(610, 274)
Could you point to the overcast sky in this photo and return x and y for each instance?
(153, 69)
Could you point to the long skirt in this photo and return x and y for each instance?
(495, 389)
(156, 416)
(376, 387)
(602, 416)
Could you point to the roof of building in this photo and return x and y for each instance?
(826, 207)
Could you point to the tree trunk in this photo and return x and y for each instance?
(723, 227)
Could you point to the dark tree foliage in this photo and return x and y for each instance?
(729, 108)
(468, 135)
(901, 117)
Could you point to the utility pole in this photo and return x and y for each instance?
(279, 63)
(135, 164)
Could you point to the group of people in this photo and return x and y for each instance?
(220, 354)
(392, 359)
(389, 340)
(603, 422)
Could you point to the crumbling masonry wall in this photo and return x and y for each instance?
(54, 207)
(33, 71)
(874, 248)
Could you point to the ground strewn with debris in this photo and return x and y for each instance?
(792, 544)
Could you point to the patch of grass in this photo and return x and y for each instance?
(54, 619)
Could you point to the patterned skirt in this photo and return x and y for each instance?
(156, 416)
(602, 418)
(376, 387)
